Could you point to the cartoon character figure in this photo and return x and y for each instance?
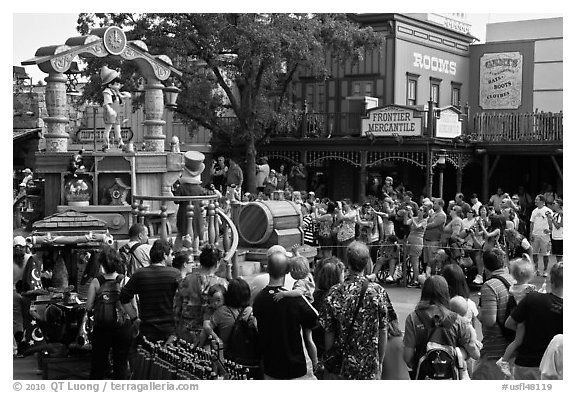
(112, 100)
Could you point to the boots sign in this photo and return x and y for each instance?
(391, 121)
(501, 80)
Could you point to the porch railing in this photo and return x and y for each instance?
(534, 126)
(220, 232)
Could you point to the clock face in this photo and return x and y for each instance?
(116, 194)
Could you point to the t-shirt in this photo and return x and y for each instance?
(155, 286)
(542, 313)
(552, 364)
(280, 327)
(459, 331)
(496, 201)
(540, 221)
(493, 298)
(224, 318)
(141, 253)
(558, 233)
(435, 226)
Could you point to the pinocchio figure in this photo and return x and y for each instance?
(112, 100)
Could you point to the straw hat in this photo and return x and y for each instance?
(107, 75)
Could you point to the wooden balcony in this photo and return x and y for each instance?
(483, 127)
(517, 127)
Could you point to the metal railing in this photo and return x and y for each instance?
(517, 127)
(221, 233)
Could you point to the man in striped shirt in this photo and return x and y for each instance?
(492, 308)
(155, 286)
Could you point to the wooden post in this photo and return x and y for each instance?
(163, 221)
(211, 225)
(189, 220)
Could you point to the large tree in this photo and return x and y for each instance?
(239, 65)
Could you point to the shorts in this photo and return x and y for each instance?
(557, 247)
(414, 248)
(541, 245)
(432, 247)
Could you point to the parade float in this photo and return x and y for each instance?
(90, 198)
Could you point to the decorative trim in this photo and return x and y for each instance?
(316, 157)
(417, 158)
(291, 156)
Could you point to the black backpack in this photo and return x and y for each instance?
(511, 304)
(129, 261)
(436, 354)
(108, 313)
(242, 346)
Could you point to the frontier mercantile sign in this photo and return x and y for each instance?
(391, 121)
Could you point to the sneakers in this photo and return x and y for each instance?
(105, 148)
(413, 285)
(390, 279)
(504, 366)
(545, 274)
(478, 280)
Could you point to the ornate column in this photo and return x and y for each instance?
(56, 135)
(154, 108)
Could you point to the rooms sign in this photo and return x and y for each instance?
(391, 121)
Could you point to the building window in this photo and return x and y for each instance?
(435, 91)
(455, 97)
(411, 89)
(315, 99)
(356, 88)
(368, 89)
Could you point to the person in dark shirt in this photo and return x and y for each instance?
(155, 286)
(281, 324)
(542, 314)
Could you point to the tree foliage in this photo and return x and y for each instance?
(237, 65)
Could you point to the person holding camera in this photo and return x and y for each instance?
(234, 176)
(219, 171)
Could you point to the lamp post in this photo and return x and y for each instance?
(441, 163)
(171, 93)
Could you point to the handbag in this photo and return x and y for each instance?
(333, 360)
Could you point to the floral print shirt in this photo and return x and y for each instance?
(361, 357)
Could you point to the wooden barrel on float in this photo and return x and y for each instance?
(266, 223)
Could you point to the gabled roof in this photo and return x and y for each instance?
(69, 221)
(26, 133)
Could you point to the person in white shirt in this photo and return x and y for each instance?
(475, 203)
(556, 221)
(540, 232)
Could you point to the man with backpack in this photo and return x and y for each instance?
(136, 253)
(492, 314)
